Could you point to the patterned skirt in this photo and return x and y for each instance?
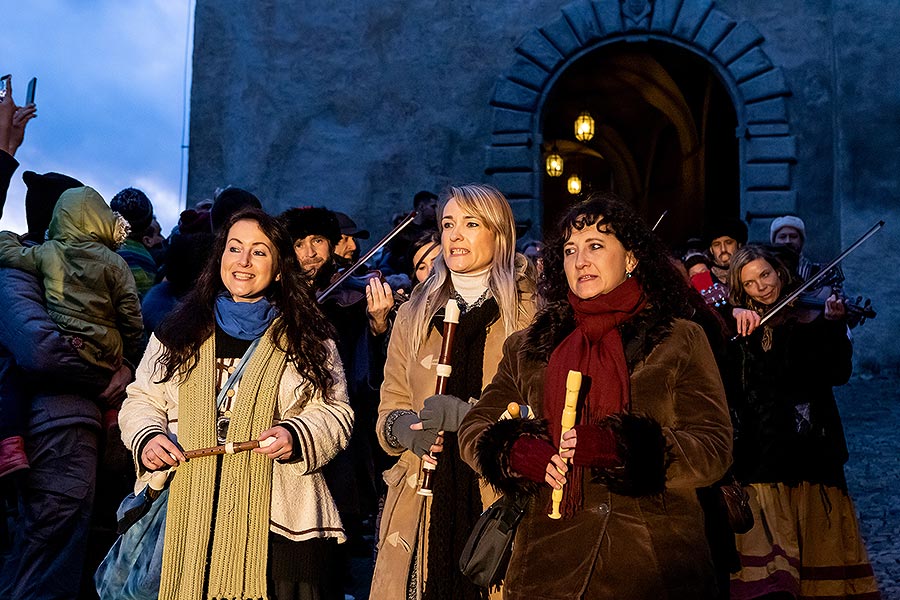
(805, 541)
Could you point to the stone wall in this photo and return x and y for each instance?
(361, 104)
(358, 104)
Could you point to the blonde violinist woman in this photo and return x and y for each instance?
(790, 449)
(258, 524)
(420, 541)
(652, 423)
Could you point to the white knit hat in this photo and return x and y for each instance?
(787, 221)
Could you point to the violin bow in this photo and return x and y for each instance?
(659, 220)
(812, 281)
(362, 260)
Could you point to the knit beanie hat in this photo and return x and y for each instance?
(692, 260)
(302, 222)
(228, 202)
(733, 228)
(135, 206)
(40, 198)
(787, 221)
(194, 220)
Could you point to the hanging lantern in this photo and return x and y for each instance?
(554, 163)
(584, 127)
(574, 185)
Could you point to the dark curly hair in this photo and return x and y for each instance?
(666, 289)
(300, 332)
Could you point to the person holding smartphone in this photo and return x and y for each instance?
(13, 120)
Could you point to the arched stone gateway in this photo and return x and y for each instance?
(731, 47)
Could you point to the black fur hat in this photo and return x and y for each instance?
(733, 228)
(309, 220)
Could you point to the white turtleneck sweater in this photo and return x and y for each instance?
(470, 286)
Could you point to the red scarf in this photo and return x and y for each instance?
(595, 349)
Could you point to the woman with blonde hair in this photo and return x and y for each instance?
(420, 541)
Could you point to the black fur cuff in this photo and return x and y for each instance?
(644, 453)
(494, 448)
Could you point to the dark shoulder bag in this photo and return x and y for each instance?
(486, 554)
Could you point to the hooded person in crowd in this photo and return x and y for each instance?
(88, 289)
(60, 395)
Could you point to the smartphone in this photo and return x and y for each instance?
(4, 86)
(29, 95)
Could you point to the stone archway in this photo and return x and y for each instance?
(733, 48)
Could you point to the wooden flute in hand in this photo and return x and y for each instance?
(451, 320)
(229, 448)
(573, 386)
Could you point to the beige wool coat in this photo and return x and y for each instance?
(408, 380)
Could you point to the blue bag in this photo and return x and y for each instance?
(132, 567)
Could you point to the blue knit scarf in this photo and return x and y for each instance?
(244, 320)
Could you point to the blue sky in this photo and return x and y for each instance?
(110, 95)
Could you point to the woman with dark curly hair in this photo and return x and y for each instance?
(652, 423)
(260, 523)
(791, 450)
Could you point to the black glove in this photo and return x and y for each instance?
(443, 412)
(419, 442)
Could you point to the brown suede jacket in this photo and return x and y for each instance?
(640, 534)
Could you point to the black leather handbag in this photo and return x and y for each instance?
(486, 554)
(736, 501)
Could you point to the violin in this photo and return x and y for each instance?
(817, 279)
(858, 311)
(351, 289)
(347, 273)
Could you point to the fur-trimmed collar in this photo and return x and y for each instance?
(640, 335)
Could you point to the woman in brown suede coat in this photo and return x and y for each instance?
(652, 423)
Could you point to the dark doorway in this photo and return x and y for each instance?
(664, 136)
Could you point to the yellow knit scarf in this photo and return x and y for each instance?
(234, 542)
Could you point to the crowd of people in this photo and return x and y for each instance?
(307, 381)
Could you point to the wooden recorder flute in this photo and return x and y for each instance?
(443, 369)
(573, 386)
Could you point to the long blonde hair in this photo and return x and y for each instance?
(509, 272)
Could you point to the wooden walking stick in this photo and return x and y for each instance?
(573, 386)
(443, 368)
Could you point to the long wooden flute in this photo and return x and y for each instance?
(158, 478)
(573, 386)
(229, 448)
(443, 369)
